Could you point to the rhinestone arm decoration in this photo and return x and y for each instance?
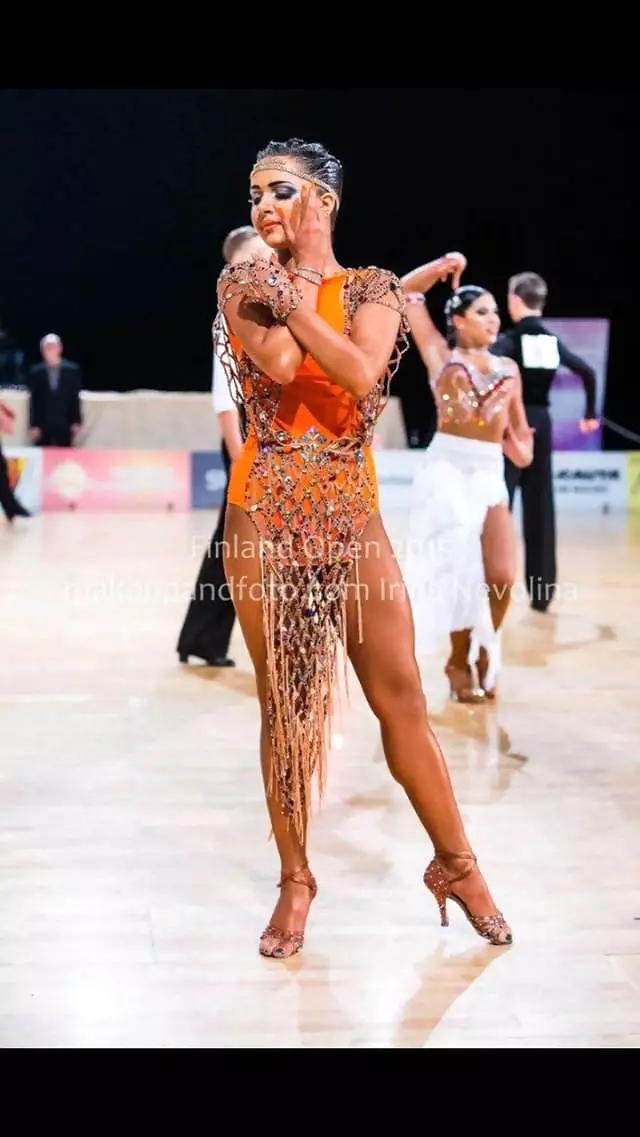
(261, 282)
(378, 286)
(224, 351)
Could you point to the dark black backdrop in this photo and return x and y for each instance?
(114, 203)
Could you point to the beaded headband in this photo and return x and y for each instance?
(279, 164)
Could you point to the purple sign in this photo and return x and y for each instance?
(590, 340)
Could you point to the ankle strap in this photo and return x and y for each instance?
(298, 877)
(470, 857)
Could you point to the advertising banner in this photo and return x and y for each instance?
(583, 481)
(116, 479)
(588, 481)
(396, 470)
(208, 479)
(590, 340)
(633, 481)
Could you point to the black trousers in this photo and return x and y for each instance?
(210, 617)
(7, 498)
(55, 436)
(538, 511)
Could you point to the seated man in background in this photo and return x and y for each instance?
(55, 415)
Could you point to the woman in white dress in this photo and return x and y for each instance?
(460, 564)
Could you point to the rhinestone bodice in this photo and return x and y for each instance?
(466, 396)
(313, 400)
(306, 476)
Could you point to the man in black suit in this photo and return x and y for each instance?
(54, 385)
(8, 501)
(539, 354)
(208, 624)
(10, 376)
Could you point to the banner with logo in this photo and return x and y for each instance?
(590, 340)
(582, 481)
(208, 479)
(633, 481)
(53, 479)
(24, 464)
(396, 470)
(587, 481)
(116, 479)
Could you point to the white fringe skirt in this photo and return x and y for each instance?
(459, 481)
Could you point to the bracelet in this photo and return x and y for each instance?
(414, 297)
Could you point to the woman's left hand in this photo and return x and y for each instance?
(589, 425)
(453, 265)
(518, 447)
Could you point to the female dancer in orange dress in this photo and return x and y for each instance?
(311, 349)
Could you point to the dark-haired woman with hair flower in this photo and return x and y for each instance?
(460, 565)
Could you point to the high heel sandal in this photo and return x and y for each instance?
(493, 928)
(275, 942)
(462, 686)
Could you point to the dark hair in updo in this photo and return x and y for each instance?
(314, 159)
(457, 305)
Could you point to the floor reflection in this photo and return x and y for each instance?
(443, 978)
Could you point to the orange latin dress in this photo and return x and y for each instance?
(306, 478)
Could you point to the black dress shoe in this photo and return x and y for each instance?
(19, 511)
(217, 661)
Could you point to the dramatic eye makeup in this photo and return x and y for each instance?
(282, 191)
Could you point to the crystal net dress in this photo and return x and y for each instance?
(306, 478)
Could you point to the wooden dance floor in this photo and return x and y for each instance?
(135, 870)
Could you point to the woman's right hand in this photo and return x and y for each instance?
(422, 279)
(307, 230)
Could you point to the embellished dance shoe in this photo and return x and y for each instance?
(463, 688)
(275, 942)
(493, 928)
